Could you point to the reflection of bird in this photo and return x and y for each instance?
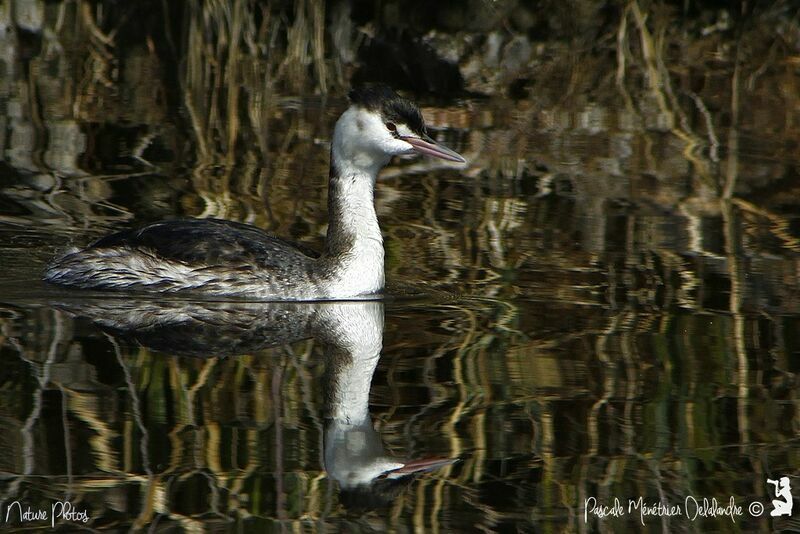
(354, 453)
(198, 329)
(226, 258)
(352, 336)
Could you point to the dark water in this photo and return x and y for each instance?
(602, 306)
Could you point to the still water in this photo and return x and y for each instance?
(600, 309)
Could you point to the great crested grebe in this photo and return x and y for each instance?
(217, 257)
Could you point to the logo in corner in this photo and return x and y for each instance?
(782, 504)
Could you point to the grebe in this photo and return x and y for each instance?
(217, 257)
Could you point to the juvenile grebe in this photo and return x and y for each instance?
(218, 257)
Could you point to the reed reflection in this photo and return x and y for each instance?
(351, 334)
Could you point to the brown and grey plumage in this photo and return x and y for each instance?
(216, 257)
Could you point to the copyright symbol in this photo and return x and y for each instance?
(756, 508)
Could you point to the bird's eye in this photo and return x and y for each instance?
(391, 127)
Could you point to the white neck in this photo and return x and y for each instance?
(354, 239)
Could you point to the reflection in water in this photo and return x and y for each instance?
(354, 453)
(351, 334)
(543, 415)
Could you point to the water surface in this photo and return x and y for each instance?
(605, 307)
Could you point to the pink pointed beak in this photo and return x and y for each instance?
(429, 147)
(420, 466)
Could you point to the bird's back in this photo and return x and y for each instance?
(214, 256)
(209, 242)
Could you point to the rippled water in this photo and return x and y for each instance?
(602, 306)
